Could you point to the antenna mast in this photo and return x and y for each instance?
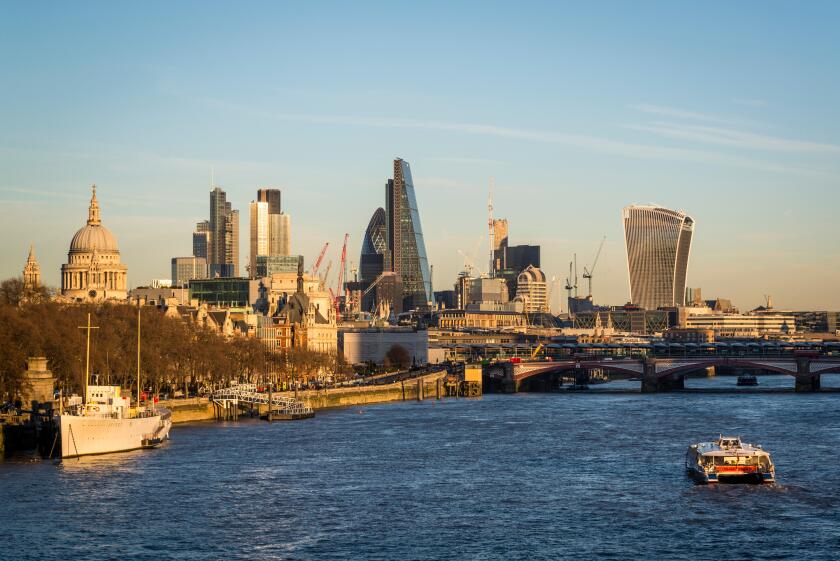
(492, 270)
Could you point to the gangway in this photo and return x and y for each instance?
(280, 407)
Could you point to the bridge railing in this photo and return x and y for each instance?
(247, 393)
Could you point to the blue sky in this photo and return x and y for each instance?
(725, 110)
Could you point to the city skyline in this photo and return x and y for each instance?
(753, 161)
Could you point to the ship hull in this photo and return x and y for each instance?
(89, 435)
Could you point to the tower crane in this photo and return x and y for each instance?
(326, 272)
(318, 261)
(588, 273)
(569, 285)
(342, 273)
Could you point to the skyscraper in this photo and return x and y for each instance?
(224, 236)
(500, 243)
(201, 239)
(259, 234)
(658, 242)
(404, 237)
(270, 231)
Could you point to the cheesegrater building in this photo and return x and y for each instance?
(658, 241)
(404, 236)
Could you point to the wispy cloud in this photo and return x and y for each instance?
(750, 102)
(673, 112)
(736, 138)
(585, 142)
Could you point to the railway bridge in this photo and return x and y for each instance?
(662, 374)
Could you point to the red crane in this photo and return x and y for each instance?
(318, 261)
(342, 271)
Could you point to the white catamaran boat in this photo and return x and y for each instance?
(105, 422)
(728, 460)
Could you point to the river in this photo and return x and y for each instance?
(507, 477)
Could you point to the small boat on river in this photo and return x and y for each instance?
(747, 380)
(728, 460)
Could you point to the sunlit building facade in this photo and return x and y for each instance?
(658, 242)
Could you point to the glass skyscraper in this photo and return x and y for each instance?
(404, 237)
(658, 243)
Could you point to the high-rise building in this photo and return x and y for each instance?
(658, 242)
(224, 236)
(272, 197)
(185, 269)
(374, 249)
(404, 237)
(500, 243)
(279, 234)
(270, 229)
(259, 234)
(201, 239)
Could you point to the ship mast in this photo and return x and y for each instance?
(87, 356)
(138, 357)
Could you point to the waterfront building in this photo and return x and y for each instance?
(93, 271)
(31, 272)
(224, 236)
(483, 319)
(404, 236)
(817, 321)
(532, 290)
(365, 345)
(696, 335)
(658, 242)
(739, 326)
(185, 269)
(624, 320)
(201, 240)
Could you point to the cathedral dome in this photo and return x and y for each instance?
(94, 236)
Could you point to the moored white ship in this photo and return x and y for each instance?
(106, 423)
(728, 460)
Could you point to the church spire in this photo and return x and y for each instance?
(32, 271)
(93, 210)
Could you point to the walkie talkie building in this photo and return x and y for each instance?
(658, 242)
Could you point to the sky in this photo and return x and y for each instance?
(726, 110)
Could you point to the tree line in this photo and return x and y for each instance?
(175, 354)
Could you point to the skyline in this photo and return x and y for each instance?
(573, 124)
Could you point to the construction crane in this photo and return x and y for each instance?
(469, 265)
(491, 270)
(326, 273)
(342, 274)
(318, 261)
(569, 285)
(588, 273)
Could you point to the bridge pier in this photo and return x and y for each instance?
(805, 381)
(651, 383)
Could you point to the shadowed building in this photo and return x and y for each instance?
(224, 236)
(658, 242)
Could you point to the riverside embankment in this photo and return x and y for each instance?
(429, 386)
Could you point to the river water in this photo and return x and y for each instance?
(526, 476)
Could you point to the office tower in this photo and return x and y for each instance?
(658, 242)
(223, 252)
(259, 235)
(519, 257)
(279, 234)
(185, 269)
(500, 243)
(404, 237)
(201, 239)
(272, 197)
(232, 243)
(374, 248)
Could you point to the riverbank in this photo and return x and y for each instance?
(429, 386)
